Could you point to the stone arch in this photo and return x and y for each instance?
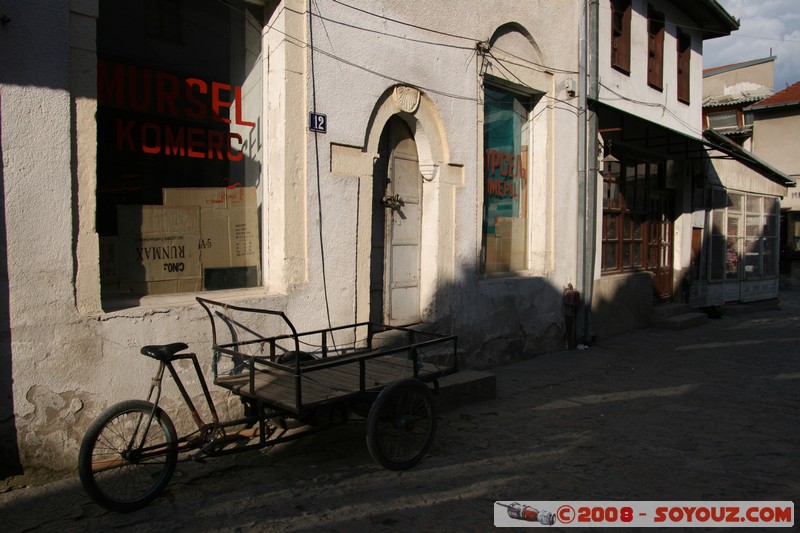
(507, 31)
(510, 44)
(421, 115)
(440, 178)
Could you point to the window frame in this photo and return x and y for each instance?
(627, 185)
(528, 101)
(716, 117)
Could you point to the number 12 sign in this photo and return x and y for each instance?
(318, 122)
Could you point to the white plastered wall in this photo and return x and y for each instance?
(71, 359)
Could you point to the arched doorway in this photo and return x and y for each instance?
(396, 228)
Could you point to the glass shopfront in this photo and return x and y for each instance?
(179, 145)
(505, 200)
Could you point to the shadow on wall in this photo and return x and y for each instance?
(622, 303)
(9, 451)
(508, 319)
(26, 62)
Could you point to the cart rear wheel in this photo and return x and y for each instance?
(115, 470)
(401, 424)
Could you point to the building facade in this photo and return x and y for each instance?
(455, 165)
(776, 121)
(664, 202)
(739, 261)
(337, 161)
(649, 108)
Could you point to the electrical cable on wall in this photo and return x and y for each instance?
(317, 170)
(526, 63)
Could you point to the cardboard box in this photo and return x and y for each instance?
(158, 257)
(229, 238)
(229, 228)
(157, 219)
(511, 231)
(157, 249)
(211, 197)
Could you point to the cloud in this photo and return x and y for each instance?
(766, 25)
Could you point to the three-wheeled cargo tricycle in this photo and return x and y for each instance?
(290, 384)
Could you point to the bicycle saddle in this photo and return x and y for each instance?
(164, 352)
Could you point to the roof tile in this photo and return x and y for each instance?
(790, 95)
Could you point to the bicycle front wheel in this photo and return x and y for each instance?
(128, 455)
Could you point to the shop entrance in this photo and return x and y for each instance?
(396, 228)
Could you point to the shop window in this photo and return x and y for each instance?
(684, 66)
(719, 253)
(655, 48)
(621, 35)
(723, 119)
(179, 149)
(506, 138)
(744, 237)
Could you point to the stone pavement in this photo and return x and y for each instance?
(709, 413)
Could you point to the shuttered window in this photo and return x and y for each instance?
(655, 48)
(684, 64)
(621, 35)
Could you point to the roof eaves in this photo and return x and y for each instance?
(720, 142)
(710, 16)
(713, 71)
(713, 102)
(771, 106)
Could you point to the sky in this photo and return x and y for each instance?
(763, 24)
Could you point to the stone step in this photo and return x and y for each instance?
(666, 310)
(465, 386)
(682, 321)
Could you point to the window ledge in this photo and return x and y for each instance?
(621, 69)
(144, 305)
(511, 276)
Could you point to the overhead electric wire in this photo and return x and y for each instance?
(663, 107)
(385, 33)
(530, 64)
(410, 25)
(545, 68)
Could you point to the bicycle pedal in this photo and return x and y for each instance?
(198, 458)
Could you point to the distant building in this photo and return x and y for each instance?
(727, 90)
(776, 128)
(739, 259)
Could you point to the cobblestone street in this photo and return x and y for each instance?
(709, 413)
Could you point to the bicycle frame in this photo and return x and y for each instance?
(205, 438)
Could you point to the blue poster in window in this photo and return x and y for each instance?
(505, 157)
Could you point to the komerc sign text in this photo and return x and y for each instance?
(150, 91)
(510, 167)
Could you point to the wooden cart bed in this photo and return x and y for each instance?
(280, 387)
(372, 356)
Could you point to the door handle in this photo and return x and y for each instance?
(393, 202)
